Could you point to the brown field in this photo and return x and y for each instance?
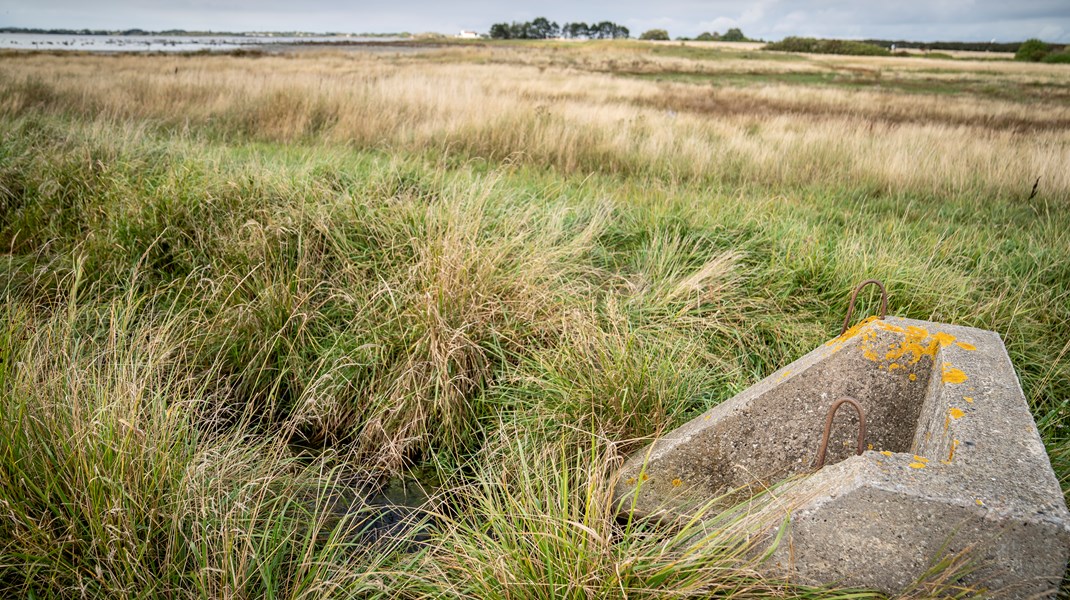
(890, 123)
(236, 286)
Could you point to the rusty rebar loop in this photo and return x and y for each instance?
(854, 296)
(828, 428)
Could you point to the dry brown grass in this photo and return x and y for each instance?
(207, 258)
(552, 105)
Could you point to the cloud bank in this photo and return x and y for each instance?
(928, 20)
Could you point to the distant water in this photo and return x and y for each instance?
(160, 43)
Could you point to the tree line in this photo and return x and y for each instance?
(735, 34)
(974, 46)
(543, 29)
(826, 46)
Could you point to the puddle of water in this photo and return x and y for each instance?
(379, 511)
(168, 43)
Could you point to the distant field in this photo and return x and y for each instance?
(967, 54)
(234, 283)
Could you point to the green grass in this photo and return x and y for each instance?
(179, 309)
(977, 87)
(715, 54)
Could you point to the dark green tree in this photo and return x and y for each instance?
(734, 35)
(603, 31)
(654, 34)
(1032, 50)
(575, 30)
(542, 29)
(500, 31)
(520, 31)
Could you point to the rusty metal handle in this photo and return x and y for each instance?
(854, 296)
(828, 428)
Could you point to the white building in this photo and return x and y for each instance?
(468, 35)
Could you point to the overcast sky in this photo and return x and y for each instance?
(922, 20)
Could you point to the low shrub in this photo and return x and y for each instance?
(1062, 58)
(820, 46)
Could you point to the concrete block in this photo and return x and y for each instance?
(953, 464)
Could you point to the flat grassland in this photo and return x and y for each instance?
(232, 283)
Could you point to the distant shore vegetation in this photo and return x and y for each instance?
(821, 46)
(734, 34)
(542, 28)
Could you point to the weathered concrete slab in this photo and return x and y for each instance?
(954, 463)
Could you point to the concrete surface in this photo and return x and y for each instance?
(954, 464)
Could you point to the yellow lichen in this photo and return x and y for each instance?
(920, 333)
(630, 481)
(916, 344)
(677, 482)
(643, 477)
(852, 332)
(944, 339)
(956, 413)
(886, 453)
(917, 465)
(889, 327)
(979, 502)
(953, 375)
(968, 399)
(920, 459)
(966, 346)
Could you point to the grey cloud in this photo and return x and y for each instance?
(770, 19)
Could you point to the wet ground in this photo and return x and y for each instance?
(182, 43)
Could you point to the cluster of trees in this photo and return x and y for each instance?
(543, 29)
(734, 34)
(655, 34)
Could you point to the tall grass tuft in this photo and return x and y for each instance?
(540, 521)
(110, 486)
